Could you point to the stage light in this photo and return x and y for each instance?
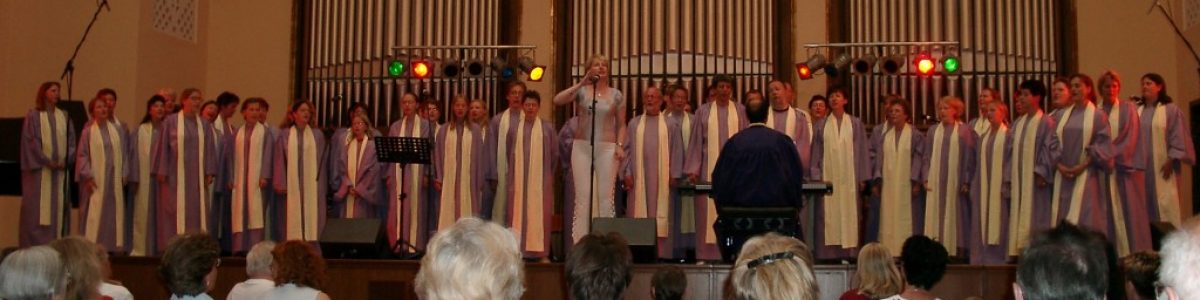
(892, 64)
(816, 62)
(864, 64)
(474, 67)
(452, 69)
(950, 64)
(395, 68)
(924, 64)
(536, 73)
(501, 67)
(838, 65)
(420, 69)
(804, 71)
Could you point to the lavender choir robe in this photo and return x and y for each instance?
(862, 172)
(1046, 152)
(697, 162)
(243, 240)
(1179, 149)
(284, 164)
(103, 219)
(337, 148)
(142, 197)
(566, 139)
(674, 144)
(38, 182)
(409, 218)
(981, 251)
(365, 182)
(221, 202)
(546, 186)
(800, 134)
(685, 212)
(1093, 210)
(967, 154)
(197, 154)
(496, 167)
(916, 162)
(471, 162)
(1124, 184)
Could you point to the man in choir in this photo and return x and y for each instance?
(654, 160)
(715, 122)
(790, 121)
(1165, 144)
(101, 170)
(499, 143)
(989, 197)
(950, 167)
(818, 108)
(408, 185)
(898, 172)
(1086, 154)
(1034, 148)
(185, 166)
(531, 188)
(458, 165)
(759, 166)
(358, 170)
(47, 150)
(300, 176)
(227, 104)
(249, 157)
(1127, 198)
(839, 156)
(677, 110)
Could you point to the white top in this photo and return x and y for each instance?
(115, 292)
(291, 291)
(196, 297)
(251, 289)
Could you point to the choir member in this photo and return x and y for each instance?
(1130, 230)
(184, 168)
(340, 139)
(47, 149)
(171, 105)
(898, 173)
(950, 167)
(102, 165)
(790, 121)
(144, 200)
(981, 123)
(685, 212)
(989, 197)
(408, 185)
(531, 190)
(1165, 144)
(1034, 148)
(1086, 154)
(226, 105)
(715, 122)
(458, 164)
(818, 108)
(300, 175)
(249, 152)
(208, 111)
(499, 143)
(608, 126)
(654, 152)
(433, 113)
(358, 171)
(847, 167)
(478, 114)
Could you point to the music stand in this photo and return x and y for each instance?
(404, 151)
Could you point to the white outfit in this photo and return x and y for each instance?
(581, 160)
(290, 292)
(251, 289)
(196, 297)
(115, 292)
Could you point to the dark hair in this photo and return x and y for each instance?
(41, 95)
(816, 98)
(1066, 262)
(1141, 268)
(106, 91)
(1158, 79)
(746, 96)
(206, 104)
(226, 99)
(1090, 86)
(897, 100)
(350, 112)
(149, 104)
(1035, 87)
(675, 87)
(297, 262)
(723, 78)
(924, 261)
(255, 100)
(187, 260)
(668, 283)
(598, 267)
(288, 121)
(532, 95)
(757, 112)
(91, 106)
(838, 90)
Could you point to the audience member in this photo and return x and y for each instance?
(109, 288)
(1062, 263)
(598, 267)
(668, 283)
(877, 276)
(774, 267)
(299, 272)
(258, 269)
(1180, 270)
(923, 262)
(472, 259)
(1141, 271)
(82, 267)
(189, 266)
(32, 273)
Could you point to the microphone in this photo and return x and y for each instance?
(594, 78)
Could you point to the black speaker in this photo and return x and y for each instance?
(736, 225)
(353, 238)
(639, 232)
(10, 157)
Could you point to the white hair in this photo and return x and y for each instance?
(32, 273)
(1180, 268)
(473, 259)
(258, 261)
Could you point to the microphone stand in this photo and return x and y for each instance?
(68, 73)
(592, 183)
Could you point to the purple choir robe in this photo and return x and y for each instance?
(697, 163)
(365, 182)
(967, 153)
(33, 231)
(1179, 149)
(685, 212)
(549, 158)
(800, 135)
(195, 201)
(337, 148)
(566, 138)
(674, 144)
(109, 220)
(408, 219)
(284, 164)
(142, 195)
(1047, 150)
(862, 173)
(221, 202)
(1124, 184)
(916, 175)
(496, 167)
(242, 241)
(1093, 211)
(471, 162)
(982, 252)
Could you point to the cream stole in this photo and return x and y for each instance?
(640, 197)
(302, 226)
(1166, 189)
(991, 181)
(414, 179)
(51, 141)
(943, 225)
(789, 128)
(502, 158)
(981, 126)
(712, 151)
(896, 225)
(352, 164)
(1118, 212)
(1025, 143)
(99, 160)
(457, 176)
(1089, 114)
(246, 177)
(841, 208)
(180, 180)
(529, 206)
(141, 200)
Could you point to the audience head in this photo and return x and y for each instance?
(260, 259)
(32, 273)
(297, 262)
(1180, 270)
(877, 274)
(1066, 262)
(473, 259)
(774, 266)
(924, 261)
(82, 267)
(189, 265)
(598, 267)
(47, 95)
(668, 283)
(1141, 269)
(1155, 87)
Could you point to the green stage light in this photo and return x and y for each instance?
(395, 68)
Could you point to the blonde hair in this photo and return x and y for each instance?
(1001, 107)
(877, 274)
(954, 102)
(485, 120)
(597, 59)
(82, 266)
(787, 277)
(473, 259)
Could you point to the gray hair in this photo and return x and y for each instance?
(258, 261)
(473, 259)
(1180, 267)
(31, 273)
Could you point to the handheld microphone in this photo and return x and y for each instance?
(594, 78)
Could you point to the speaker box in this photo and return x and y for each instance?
(639, 232)
(353, 238)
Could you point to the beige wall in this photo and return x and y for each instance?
(251, 63)
(537, 28)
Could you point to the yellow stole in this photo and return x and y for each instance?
(841, 208)
(1021, 205)
(245, 182)
(991, 179)
(414, 178)
(1089, 113)
(180, 182)
(640, 197)
(302, 227)
(789, 127)
(500, 204)
(50, 141)
(1166, 189)
(527, 194)
(457, 176)
(1118, 213)
(352, 161)
(896, 226)
(141, 200)
(712, 151)
(99, 159)
(943, 225)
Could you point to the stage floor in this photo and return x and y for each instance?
(393, 279)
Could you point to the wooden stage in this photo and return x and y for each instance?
(393, 279)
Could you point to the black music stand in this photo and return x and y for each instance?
(404, 151)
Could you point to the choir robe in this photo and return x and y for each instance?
(990, 204)
(525, 213)
(221, 201)
(363, 179)
(143, 193)
(886, 219)
(301, 209)
(498, 143)
(1163, 204)
(652, 182)
(46, 137)
(1092, 205)
(244, 229)
(800, 130)
(1031, 212)
(337, 148)
(103, 158)
(701, 161)
(183, 203)
(460, 197)
(949, 211)
(566, 140)
(1130, 229)
(685, 212)
(843, 204)
(408, 219)
(980, 125)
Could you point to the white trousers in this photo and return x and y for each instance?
(581, 169)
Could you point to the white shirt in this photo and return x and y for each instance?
(251, 289)
(201, 296)
(115, 292)
(292, 291)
